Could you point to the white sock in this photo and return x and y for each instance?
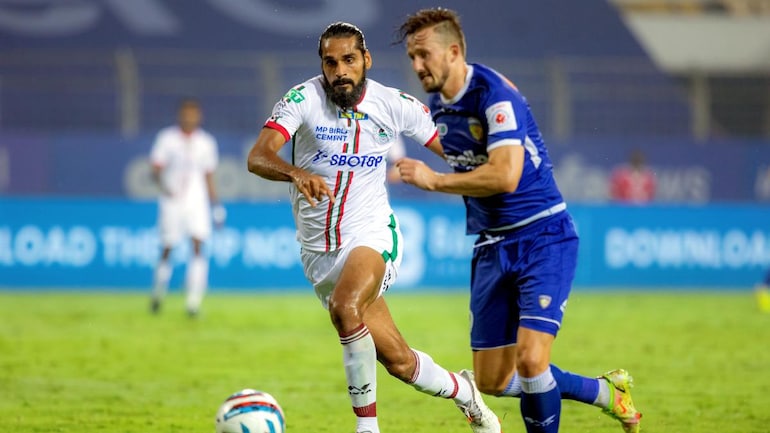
(360, 360)
(197, 280)
(541, 383)
(603, 399)
(367, 424)
(514, 387)
(160, 279)
(433, 379)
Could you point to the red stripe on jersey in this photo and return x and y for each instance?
(356, 137)
(273, 125)
(330, 212)
(342, 206)
(427, 143)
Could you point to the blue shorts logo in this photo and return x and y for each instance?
(544, 301)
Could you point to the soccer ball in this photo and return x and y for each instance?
(250, 411)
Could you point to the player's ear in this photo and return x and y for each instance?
(455, 50)
(367, 59)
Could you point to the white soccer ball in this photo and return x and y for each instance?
(250, 411)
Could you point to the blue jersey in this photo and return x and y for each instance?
(489, 113)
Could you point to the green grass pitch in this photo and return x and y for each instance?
(99, 362)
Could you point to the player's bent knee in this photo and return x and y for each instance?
(532, 360)
(490, 385)
(344, 316)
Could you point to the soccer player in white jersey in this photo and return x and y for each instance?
(341, 126)
(184, 158)
(525, 257)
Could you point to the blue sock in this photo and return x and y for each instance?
(575, 387)
(540, 403)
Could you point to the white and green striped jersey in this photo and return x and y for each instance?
(349, 149)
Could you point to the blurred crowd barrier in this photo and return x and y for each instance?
(135, 90)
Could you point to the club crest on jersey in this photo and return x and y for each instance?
(544, 301)
(383, 135)
(353, 115)
(475, 128)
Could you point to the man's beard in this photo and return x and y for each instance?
(435, 87)
(437, 83)
(342, 97)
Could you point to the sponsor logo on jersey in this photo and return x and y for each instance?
(347, 160)
(466, 159)
(294, 95)
(353, 115)
(331, 133)
(500, 117)
(279, 110)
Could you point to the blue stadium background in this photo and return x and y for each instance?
(84, 86)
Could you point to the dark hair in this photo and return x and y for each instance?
(445, 21)
(342, 29)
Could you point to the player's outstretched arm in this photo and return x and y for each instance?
(498, 175)
(264, 161)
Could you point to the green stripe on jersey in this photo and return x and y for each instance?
(392, 254)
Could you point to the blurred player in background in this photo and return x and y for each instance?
(525, 257)
(184, 158)
(633, 182)
(342, 126)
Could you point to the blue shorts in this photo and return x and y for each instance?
(522, 277)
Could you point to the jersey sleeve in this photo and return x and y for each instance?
(397, 150)
(288, 112)
(212, 161)
(159, 151)
(506, 115)
(416, 121)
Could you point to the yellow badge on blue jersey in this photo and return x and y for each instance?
(476, 130)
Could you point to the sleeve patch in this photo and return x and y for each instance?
(500, 117)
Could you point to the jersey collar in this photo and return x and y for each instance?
(462, 91)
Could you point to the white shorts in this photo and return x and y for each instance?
(323, 269)
(180, 218)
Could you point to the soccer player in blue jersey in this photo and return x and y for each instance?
(525, 257)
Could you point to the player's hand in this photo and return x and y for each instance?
(417, 173)
(313, 187)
